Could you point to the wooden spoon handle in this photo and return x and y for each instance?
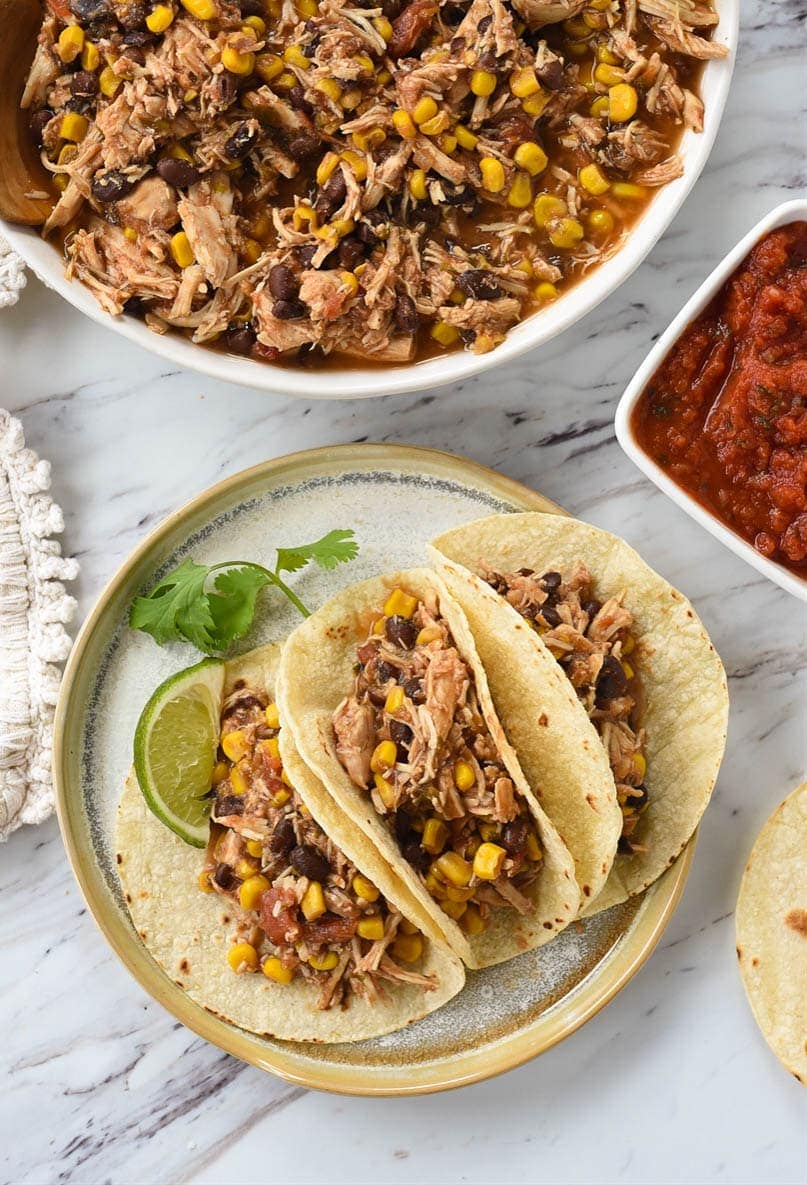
(21, 171)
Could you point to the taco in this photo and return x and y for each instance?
(388, 704)
(771, 926)
(289, 924)
(633, 650)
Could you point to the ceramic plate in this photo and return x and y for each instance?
(395, 498)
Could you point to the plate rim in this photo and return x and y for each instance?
(472, 1065)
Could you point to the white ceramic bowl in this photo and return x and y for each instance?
(789, 212)
(450, 368)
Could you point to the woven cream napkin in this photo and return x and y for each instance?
(34, 610)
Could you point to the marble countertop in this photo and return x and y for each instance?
(670, 1083)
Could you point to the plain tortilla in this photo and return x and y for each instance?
(317, 672)
(188, 932)
(771, 926)
(686, 709)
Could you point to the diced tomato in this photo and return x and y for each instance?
(329, 929)
(279, 916)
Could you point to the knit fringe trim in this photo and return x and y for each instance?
(34, 611)
(12, 275)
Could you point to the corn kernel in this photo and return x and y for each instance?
(250, 892)
(437, 124)
(435, 836)
(575, 28)
(268, 66)
(523, 83)
(236, 62)
(364, 888)
(567, 233)
(394, 700)
(108, 82)
(357, 163)
(547, 207)
(483, 83)
(245, 868)
(220, 771)
(274, 969)
(70, 43)
(330, 88)
(628, 669)
(640, 765)
(130, 234)
(599, 108)
(533, 849)
(313, 902)
(629, 645)
(465, 139)
(489, 830)
(622, 102)
(535, 104)
(605, 55)
(384, 756)
(383, 27)
(282, 796)
(307, 8)
(488, 861)
(407, 927)
(350, 282)
(367, 141)
(257, 24)
(378, 627)
(371, 928)
(325, 962)
(457, 297)
(204, 882)
(61, 181)
(424, 109)
(383, 77)
(464, 775)
(404, 124)
(472, 921)
(67, 153)
(519, 194)
(593, 179)
(493, 175)
(408, 948)
(435, 886)
(608, 75)
(452, 868)
(400, 604)
(386, 791)
(238, 781)
(271, 713)
(203, 10)
(242, 956)
(235, 744)
(444, 333)
(455, 909)
(430, 633)
(90, 56)
(627, 189)
(545, 291)
(73, 127)
(453, 893)
(271, 746)
(160, 18)
(294, 56)
(255, 848)
(531, 156)
(304, 216)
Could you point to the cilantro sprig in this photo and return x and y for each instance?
(212, 606)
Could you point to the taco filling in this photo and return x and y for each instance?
(591, 639)
(413, 734)
(301, 907)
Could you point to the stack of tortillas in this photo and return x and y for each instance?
(772, 932)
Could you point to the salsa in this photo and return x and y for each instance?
(725, 415)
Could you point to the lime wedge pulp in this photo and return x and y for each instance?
(175, 748)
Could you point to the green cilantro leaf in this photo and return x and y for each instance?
(232, 602)
(337, 547)
(177, 607)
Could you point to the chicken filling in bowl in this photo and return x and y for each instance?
(304, 181)
(591, 639)
(302, 909)
(412, 733)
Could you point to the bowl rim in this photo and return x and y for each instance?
(536, 330)
(782, 214)
(629, 953)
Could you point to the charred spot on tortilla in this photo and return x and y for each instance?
(119, 858)
(796, 919)
(755, 962)
(128, 899)
(184, 966)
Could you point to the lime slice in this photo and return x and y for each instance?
(175, 749)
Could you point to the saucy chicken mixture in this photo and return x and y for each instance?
(591, 640)
(302, 909)
(412, 733)
(295, 180)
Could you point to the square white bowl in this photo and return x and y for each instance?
(789, 212)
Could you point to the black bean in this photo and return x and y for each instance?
(429, 215)
(229, 804)
(135, 55)
(638, 799)
(415, 855)
(289, 310)
(611, 681)
(137, 40)
(551, 74)
(89, 10)
(133, 15)
(101, 29)
(350, 252)
(401, 631)
(306, 253)
(624, 847)
(283, 283)
(399, 732)
(413, 689)
(551, 581)
(550, 616)
(180, 173)
(84, 84)
(224, 877)
(487, 60)
(253, 8)
(240, 142)
(468, 336)
(514, 836)
(111, 186)
(366, 234)
(592, 608)
(406, 315)
(479, 284)
(386, 671)
(484, 24)
(309, 862)
(459, 196)
(297, 99)
(526, 571)
(39, 121)
(332, 194)
(303, 146)
(282, 839)
(457, 45)
(402, 824)
(239, 340)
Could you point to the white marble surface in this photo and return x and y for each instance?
(672, 1082)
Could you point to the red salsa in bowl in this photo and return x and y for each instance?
(725, 414)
